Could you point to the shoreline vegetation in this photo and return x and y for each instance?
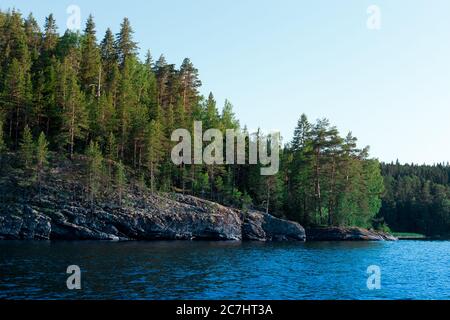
(409, 236)
(61, 210)
(90, 113)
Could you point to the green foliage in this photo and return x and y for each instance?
(120, 180)
(111, 147)
(383, 227)
(41, 158)
(246, 202)
(416, 198)
(155, 151)
(41, 152)
(95, 170)
(90, 60)
(329, 180)
(125, 46)
(409, 235)
(27, 148)
(202, 183)
(2, 141)
(74, 116)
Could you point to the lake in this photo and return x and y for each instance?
(225, 270)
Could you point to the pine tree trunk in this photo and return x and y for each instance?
(318, 193)
(151, 178)
(72, 130)
(182, 178)
(331, 202)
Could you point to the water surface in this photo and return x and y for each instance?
(225, 270)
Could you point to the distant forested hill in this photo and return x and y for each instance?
(417, 198)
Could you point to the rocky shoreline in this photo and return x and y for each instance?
(60, 210)
(347, 234)
(157, 217)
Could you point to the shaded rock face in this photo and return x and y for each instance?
(154, 218)
(346, 234)
(22, 222)
(264, 227)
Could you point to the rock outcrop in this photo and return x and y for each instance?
(60, 210)
(346, 234)
(261, 226)
(155, 218)
(174, 217)
(22, 222)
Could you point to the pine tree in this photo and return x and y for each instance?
(108, 50)
(47, 68)
(320, 138)
(125, 46)
(126, 102)
(374, 189)
(34, 37)
(74, 116)
(297, 171)
(190, 83)
(50, 115)
(41, 158)
(111, 147)
(50, 34)
(333, 153)
(15, 94)
(301, 133)
(228, 119)
(67, 44)
(154, 151)
(212, 119)
(109, 61)
(14, 45)
(27, 148)
(161, 70)
(95, 169)
(121, 180)
(90, 70)
(149, 90)
(103, 117)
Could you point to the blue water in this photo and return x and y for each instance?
(225, 270)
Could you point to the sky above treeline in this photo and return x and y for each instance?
(388, 82)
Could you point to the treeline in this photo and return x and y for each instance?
(417, 198)
(93, 96)
(328, 180)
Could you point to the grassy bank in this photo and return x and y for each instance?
(408, 235)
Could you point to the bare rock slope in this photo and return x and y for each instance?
(174, 217)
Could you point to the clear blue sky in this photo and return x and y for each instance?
(276, 59)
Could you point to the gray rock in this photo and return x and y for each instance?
(10, 227)
(19, 222)
(346, 234)
(264, 227)
(158, 218)
(35, 225)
